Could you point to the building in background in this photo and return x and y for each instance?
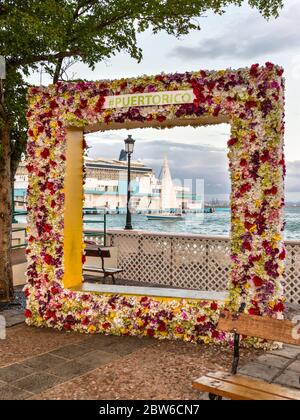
(106, 187)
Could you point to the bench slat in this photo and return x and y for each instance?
(100, 270)
(256, 384)
(260, 327)
(232, 391)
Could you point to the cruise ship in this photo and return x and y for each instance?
(106, 188)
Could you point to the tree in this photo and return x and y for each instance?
(50, 32)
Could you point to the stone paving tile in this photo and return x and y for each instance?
(11, 321)
(38, 382)
(290, 352)
(70, 352)
(9, 392)
(162, 371)
(23, 342)
(70, 369)
(127, 346)
(295, 366)
(99, 342)
(97, 358)
(257, 370)
(275, 361)
(14, 372)
(44, 361)
(289, 379)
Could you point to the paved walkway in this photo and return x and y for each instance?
(278, 367)
(47, 364)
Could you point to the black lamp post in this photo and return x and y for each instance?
(129, 147)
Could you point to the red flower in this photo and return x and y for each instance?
(47, 228)
(50, 314)
(83, 103)
(217, 111)
(250, 104)
(270, 66)
(30, 168)
(280, 72)
(86, 321)
(100, 104)
(49, 259)
(26, 293)
(150, 332)
(123, 85)
(249, 225)
(161, 118)
(243, 163)
(53, 104)
(211, 85)
(162, 327)
(246, 246)
(272, 191)
(215, 334)
(201, 319)
(254, 311)
(67, 326)
(282, 255)
(265, 156)
(258, 281)
(106, 325)
(232, 142)
(279, 307)
(245, 188)
(54, 290)
(254, 70)
(214, 306)
(28, 313)
(45, 153)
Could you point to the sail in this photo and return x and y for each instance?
(168, 193)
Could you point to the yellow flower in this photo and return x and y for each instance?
(92, 329)
(271, 304)
(258, 204)
(277, 237)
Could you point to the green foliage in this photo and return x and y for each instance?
(49, 31)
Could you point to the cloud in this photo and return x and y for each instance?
(249, 38)
(293, 176)
(187, 161)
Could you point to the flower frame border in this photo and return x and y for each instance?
(252, 101)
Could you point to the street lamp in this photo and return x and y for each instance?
(129, 147)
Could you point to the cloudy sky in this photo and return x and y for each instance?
(239, 38)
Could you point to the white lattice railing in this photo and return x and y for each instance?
(188, 261)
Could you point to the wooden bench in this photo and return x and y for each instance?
(92, 250)
(221, 385)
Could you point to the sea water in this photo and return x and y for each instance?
(215, 224)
